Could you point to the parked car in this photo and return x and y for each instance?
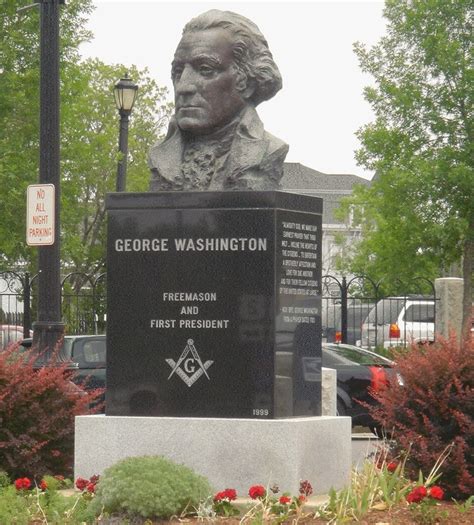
(86, 355)
(358, 370)
(356, 314)
(398, 321)
(10, 333)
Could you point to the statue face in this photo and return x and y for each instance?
(205, 81)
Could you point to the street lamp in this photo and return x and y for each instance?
(49, 329)
(125, 92)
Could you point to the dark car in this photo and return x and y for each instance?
(86, 355)
(358, 370)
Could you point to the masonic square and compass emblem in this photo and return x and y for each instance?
(189, 366)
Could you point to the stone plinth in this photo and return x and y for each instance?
(234, 453)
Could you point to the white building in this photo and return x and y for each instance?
(331, 187)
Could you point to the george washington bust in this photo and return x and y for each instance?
(222, 69)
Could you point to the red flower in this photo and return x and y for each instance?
(91, 488)
(81, 483)
(392, 466)
(285, 500)
(22, 484)
(94, 479)
(301, 499)
(43, 485)
(436, 492)
(417, 494)
(257, 491)
(230, 494)
(227, 494)
(305, 488)
(219, 496)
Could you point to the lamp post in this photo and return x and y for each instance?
(49, 329)
(125, 92)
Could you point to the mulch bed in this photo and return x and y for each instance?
(448, 514)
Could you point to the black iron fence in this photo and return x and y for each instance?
(354, 311)
(358, 311)
(83, 302)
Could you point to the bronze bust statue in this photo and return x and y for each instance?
(222, 69)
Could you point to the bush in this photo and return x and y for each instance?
(150, 487)
(37, 410)
(13, 510)
(4, 479)
(433, 409)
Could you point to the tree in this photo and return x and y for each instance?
(418, 216)
(19, 111)
(89, 154)
(89, 136)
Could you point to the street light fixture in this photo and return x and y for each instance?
(125, 93)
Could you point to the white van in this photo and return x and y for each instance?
(399, 321)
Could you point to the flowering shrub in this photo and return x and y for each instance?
(26, 501)
(22, 484)
(436, 492)
(222, 503)
(422, 502)
(81, 483)
(257, 491)
(270, 508)
(432, 409)
(417, 494)
(227, 495)
(305, 488)
(87, 485)
(37, 410)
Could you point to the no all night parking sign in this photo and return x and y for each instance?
(40, 223)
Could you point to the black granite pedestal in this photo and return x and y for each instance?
(214, 304)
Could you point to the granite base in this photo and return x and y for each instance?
(233, 453)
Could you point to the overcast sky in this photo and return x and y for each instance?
(321, 104)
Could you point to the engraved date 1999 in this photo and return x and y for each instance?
(260, 412)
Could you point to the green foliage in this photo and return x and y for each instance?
(4, 479)
(464, 506)
(427, 513)
(417, 216)
(370, 487)
(150, 487)
(13, 510)
(58, 482)
(19, 109)
(89, 153)
(89, 134)
(26, 507)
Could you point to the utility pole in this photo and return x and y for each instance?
(49, 329)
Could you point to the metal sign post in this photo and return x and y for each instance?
(49, 329)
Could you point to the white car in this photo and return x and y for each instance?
(399, 321)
